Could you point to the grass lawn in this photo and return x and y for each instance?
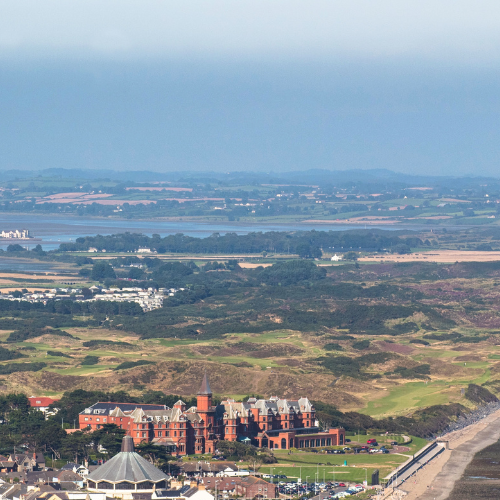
(308, 466)
(348, 467)
(408, 396)
(329, 473)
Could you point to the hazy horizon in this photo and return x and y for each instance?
(250, 86)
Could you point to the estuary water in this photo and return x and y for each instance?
(52, 230)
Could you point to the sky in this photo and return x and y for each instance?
(274, 85)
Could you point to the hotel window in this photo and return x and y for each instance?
(143, 434)
(138, 435)
(160, 434)
(86, 418)
(97, 419)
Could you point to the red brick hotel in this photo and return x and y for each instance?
(271, 423)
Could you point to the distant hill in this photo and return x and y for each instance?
(376, 178)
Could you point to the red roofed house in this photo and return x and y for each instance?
(42, 404)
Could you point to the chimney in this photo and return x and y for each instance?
(201, 487)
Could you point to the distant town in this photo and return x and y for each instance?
(16, 234)
(147, 298)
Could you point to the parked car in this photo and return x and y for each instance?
(372, 441)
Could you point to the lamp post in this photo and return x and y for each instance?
(366, 475)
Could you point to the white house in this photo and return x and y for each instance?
(336, 258)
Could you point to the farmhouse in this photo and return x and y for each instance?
(271, 423)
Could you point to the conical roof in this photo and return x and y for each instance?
(205, 386)
(127, 466)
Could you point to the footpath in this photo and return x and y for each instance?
(435, 480)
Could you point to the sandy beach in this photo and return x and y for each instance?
(435, 481)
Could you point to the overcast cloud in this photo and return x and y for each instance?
(464, 31)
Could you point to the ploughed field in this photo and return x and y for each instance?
(380, 339)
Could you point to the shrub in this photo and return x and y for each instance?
(333, 347)
(419, 341)
(90, 360)
(132, 364)
(361, 345)
(58, 353)
(291, 272)
(100, 343)
(419, 371)
(21, 367)
(6, 355)
(479, 395)
(442, 336)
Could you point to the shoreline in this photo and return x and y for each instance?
(436, 480)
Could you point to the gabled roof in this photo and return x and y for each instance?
(70, 466)
(107, 407)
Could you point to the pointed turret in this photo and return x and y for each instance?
(127, 444)
(205, 386)
(204, 396)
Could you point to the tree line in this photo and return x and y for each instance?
(303, 243)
